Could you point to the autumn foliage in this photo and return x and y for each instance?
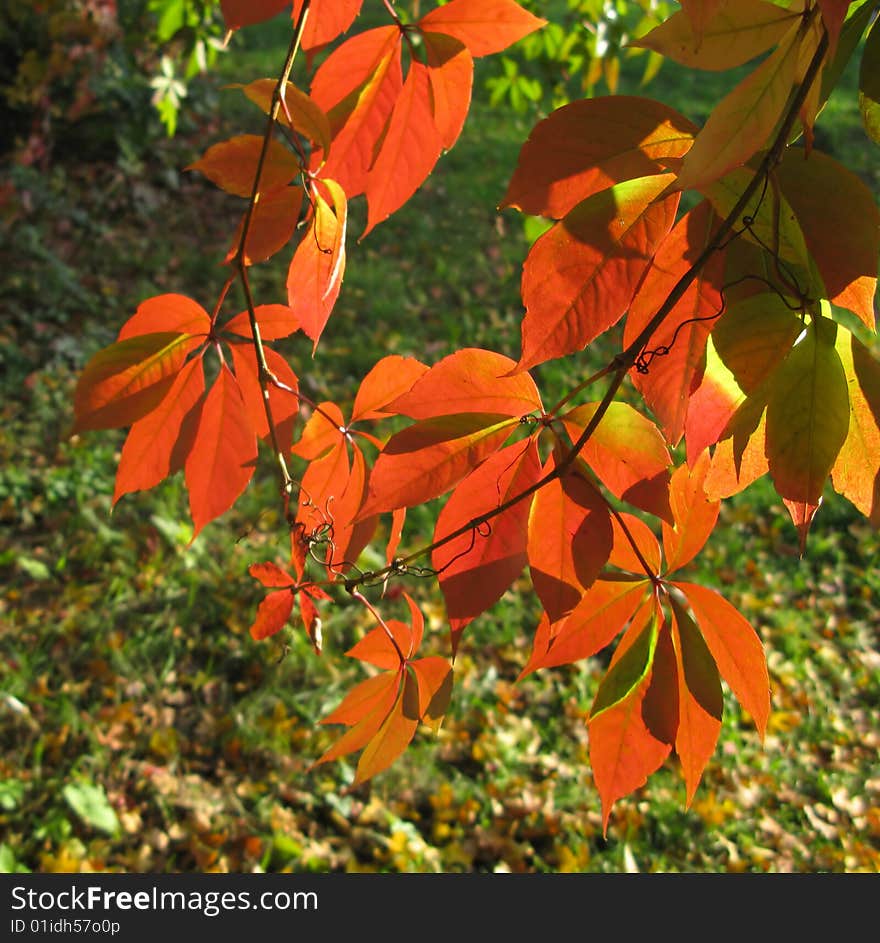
(741, 261)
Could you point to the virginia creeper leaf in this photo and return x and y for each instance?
(434, 677)
(148, 453)
(743, 120)
(224, 452)
(580, 277)
(569, 542)
(389, 379)
(589, 145)
(327, 20)
(376, 648)
(674, 357)
(350, 536)
(363, 699)
(238, 13)
(469, 381)
(737, 33)
(273, 322)
(451, 72)
(623, 554)
(408, 151)
(305, 116)
(695, 515)
(736, 649)
(856, 470)
(284, 402)
(232, 164)
(393, 736)
(807, 414)
(660, 707)
(270, 575)
(869, 84)
(127, 380)
(318, 265)
(272, 614)
(736, 465)
(712, 405)
(631, 662)
(628, 453)
(484, 26)
(427, 459)
(322, 432)
(700, 701)
(476, 568)
(169, 312)
(272, 224)
(843, 234)
(321, 488)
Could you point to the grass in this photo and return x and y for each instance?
(140, 727)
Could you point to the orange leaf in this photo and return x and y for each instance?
(273, 322)
(327, 20)
(741, 122)
(451, 71)
(390, 378)
(623, 751)
(628, 453)
(322, 432)
(169, 312)
(470, 381)
(284, 403)
(622, 553)
(570, 539)
(428, 458)
(409, 149)
(272, 614)
(802, 514)
(700, 702)
(224, 452)
(701, 13)
(363, 699)
(736, 648)
(434, 678)
(305, 116)
(735, 465)
(350, 536)
(603, 611)
(695, 515)
(232, 164)
(476, 568)
(675, 354)
(238, 13)
(833, 15)
(484, 26)
(321, 487)
(357, 85)
(127, 380)
(579, 278)
(607, 140)
(316, 270)
(272, 224)
(270, 575)
(149, 451)
(843, 234)
(712, 405)
(376, 648)
(393, 736)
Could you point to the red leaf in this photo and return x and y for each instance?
(170, 312)
(272, 224)
(272, 614)
(284, 403)
(148, 454)
(390, 378)
(579, 278)
(736, 648)
(428, 458)
(223, 455)
(695, 515)
(833, 14)
(273, 322)
(327, 20)
(451, 71)
(232, 164)
(470, 381)
(675, 354)
(127, 380)
(316, 270)
(408, 151)
(357, 85)
(700, 702)
(270, 575)
(477, 568)
(607, 140)
(802, 515)
(569, 541)
(238, 13)
(484, 26)
(628, 453)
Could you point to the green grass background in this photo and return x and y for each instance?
(141, 729)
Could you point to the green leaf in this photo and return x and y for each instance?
(628, 671)
(90, 803)
(869, 84)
